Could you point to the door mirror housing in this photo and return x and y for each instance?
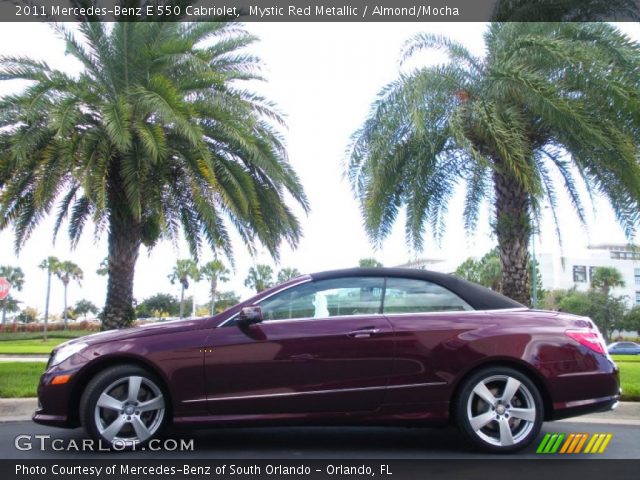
(249, 315)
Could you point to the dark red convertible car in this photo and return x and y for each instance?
(350, 347)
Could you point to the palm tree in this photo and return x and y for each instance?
(10, 304)
(287, 273)
(606, 278)
(546, 101)
(157, 135)
(566, 10)
(50, 264)
(183, 271)
(15, 276)
(67, 271)
(214, 271)
(259, 278)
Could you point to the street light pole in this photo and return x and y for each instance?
(534, 289)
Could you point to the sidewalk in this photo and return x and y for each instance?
(23, 358)
(17, 409)
(627, 413)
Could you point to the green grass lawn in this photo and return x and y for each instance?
(5, 336)
(23, 343)
(629, 376)
(35, 346)
(19, 379)
(626, 358)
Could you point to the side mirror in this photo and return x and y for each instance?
(249, 315)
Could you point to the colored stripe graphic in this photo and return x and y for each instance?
(598, 443)
(591, 443)
(550, 443)
(567, 442)
(577, 442)
(557, 444)
(573, 443)
(605, 443)
(543, 443)
(581, 442)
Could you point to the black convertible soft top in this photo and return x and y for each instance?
(480, 298)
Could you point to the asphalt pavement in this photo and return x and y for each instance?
(307, 442)
(371, 443)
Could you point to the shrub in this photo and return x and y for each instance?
(51, 327)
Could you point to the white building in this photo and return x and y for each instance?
(433, 264)
(576, 266)
(573, 267)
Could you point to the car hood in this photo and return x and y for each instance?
(141, 331)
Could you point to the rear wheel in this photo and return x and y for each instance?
(500, 409)
(123, 406)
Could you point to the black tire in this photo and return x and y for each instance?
(485, 422)
(121, 422)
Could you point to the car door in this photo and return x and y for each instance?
(427, 319)
(323, 346)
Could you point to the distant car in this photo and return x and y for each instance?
(369, 346)
(624, 348)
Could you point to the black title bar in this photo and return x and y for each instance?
(319, 11)
(116, 468)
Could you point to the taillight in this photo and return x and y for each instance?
(589, 339)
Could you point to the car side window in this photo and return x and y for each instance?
(407, 295)
(326, 298)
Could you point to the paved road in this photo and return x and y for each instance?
(316, 442)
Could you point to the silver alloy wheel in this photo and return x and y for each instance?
(129, 411)
(501, 410)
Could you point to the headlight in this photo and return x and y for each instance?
(65, 352)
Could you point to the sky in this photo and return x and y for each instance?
(323, 77)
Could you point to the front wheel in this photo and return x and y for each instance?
(500, 409)
(123, 406)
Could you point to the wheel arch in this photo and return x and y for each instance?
(516, 364)
(99, 365)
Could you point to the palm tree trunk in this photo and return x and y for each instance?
(182, 302)
(124, 245)
(65, 306)
(513, 228)
(46, 304)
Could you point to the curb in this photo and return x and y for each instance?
(17, 409)
(627, 413)
(23, 358)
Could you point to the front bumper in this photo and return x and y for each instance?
(57, 405)
(60, 421)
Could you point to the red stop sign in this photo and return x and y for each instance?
(5, 286)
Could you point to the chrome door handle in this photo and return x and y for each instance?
(364, 333)
(303, 357)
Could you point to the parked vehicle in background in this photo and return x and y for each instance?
(364, 346)
(624, 348)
